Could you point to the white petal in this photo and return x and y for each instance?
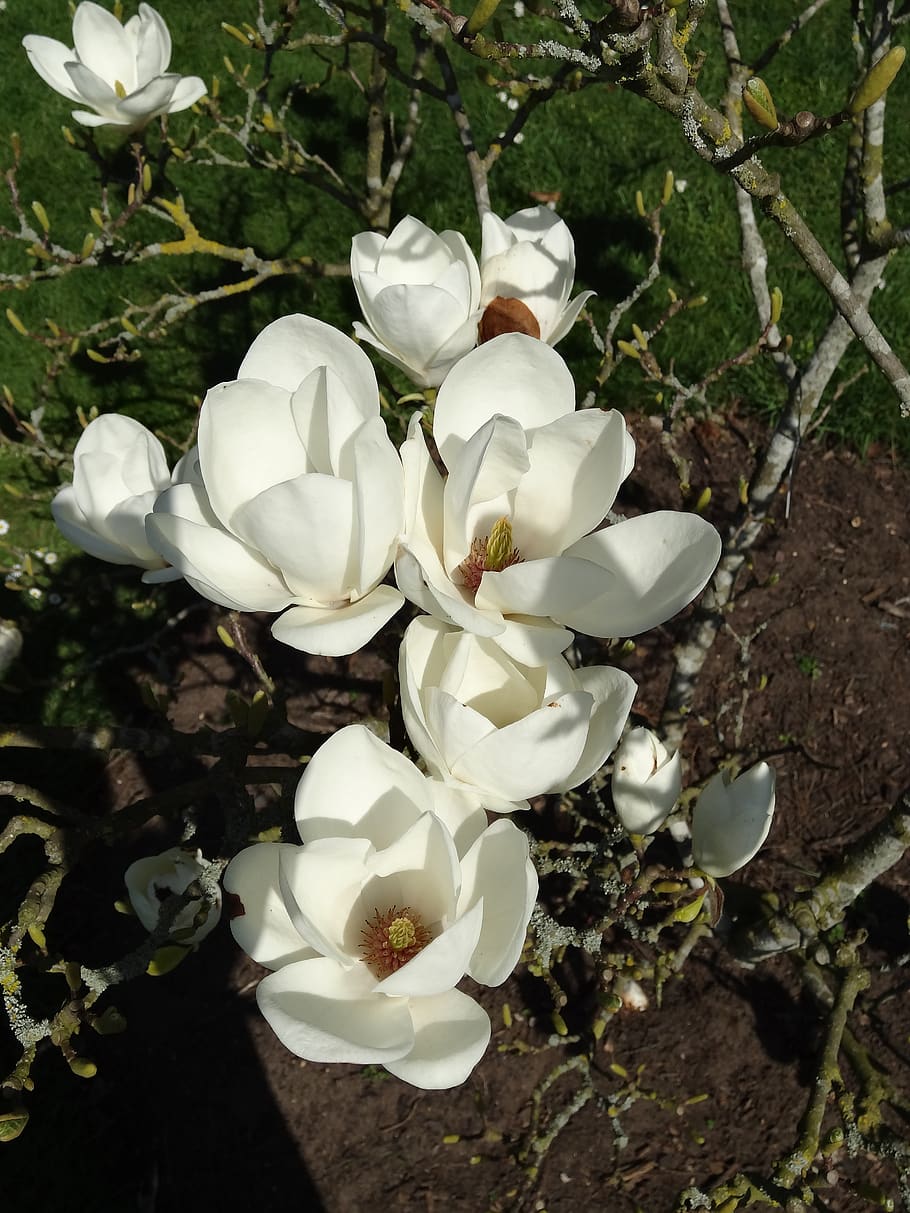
(498, 872)
(216, 564)
(48, 57)
(514, 375)
(338, 631)
(413, 254)
(532, 756)
(323, 1012)
(478, 491)
(261, 924)
(290, 349)
(414, 321)
(613, 692)
(570, 314)
(248, 441)
(102, 45)
(320, 887)
(149, 101)
(496, 238)
(418, 869)
(187, 91)
(378, 504)
(357, 786)
(303, 527)
(584, 454)
(451, 1035)
(151, 43)
(732, 819)
(365, 250)
(460, 811)
(657, 563)
(529, 273)
(93, 90)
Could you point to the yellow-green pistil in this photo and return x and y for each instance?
(491, 554)
(391, 938)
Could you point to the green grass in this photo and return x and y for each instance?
(595, 148)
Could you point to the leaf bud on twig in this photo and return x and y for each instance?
(878, 80)
(759, 102)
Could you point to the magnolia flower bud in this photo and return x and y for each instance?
(647, 779)
(527, 268)
(419, 293)
(119, 71)
(151, 880)
(732, 818)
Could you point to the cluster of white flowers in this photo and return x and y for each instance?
(496, 516)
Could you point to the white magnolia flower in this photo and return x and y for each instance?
(297, 495)
(647, 780)
(508, 731)
(527, 268)
(732, 818)
(119, 469)
(371, 924)
(118, 71)
(420, 295)
(150, 881)
(508, 544)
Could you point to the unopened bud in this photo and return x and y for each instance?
(759, 102)
(82, 1067)
(667, 192)
(777, 304)
(41, 216)
(12, 1122)
(878, 80)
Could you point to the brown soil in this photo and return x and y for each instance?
(198, 1106)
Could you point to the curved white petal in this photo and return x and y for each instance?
(613, 692)
(498, 873)
(583, 454)
(151, 43)
(481, 485)
(732, 819)
(219, 566)
(187, 91)
(320, 887)
(303, 527)
(149, 101)
(378, 504)
(461, 812)
(656, 564)
(102, 45)
(570, 314)
(413, 254)
(418, 869)
(47, 57)
(357, 786)
(248, 441)
(338, 631)
(261, 924)
(290, 349)
(451, 1035)
(323, 1012)
(93, 90)
(532, 756)
(514, 375)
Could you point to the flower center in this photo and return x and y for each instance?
(506, 315)
(120, 89)
(391, 938)
(491, 554)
